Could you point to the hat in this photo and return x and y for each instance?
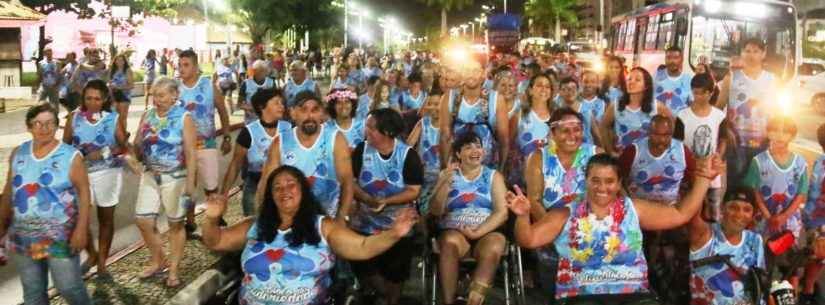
(740, 194)
(297, 65)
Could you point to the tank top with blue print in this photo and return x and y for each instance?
(469, 202)
(748, 121)
(631, 125)
(162, 144)
(657, 178)
(778, 188)
(251, 88)
(717, 284)
(363, 107)
(199, 101)
(410, 102)
(592, 111)
(356, 78)
(317, 162)
(601, 256)
(380, 178)
(44, 202)
(92, 137)
(532, 133)
(675, 93)
(50, 73)
(276, 273)
(84, 76)
(564, 185)
(815, 207)
(355, 133)
(472, 117)
(292, 89)
(428, 150)
(613, 95)
(258, 151)
(119, 79)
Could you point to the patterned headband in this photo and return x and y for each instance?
(566, 122)
(345, 94)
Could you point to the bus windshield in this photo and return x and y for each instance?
(715, 38)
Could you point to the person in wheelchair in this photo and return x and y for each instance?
(717, 284)
(469, 203)
(290, 246)
(599, 235)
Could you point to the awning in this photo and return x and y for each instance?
(13, 15)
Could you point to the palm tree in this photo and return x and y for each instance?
(447, 5)
(552, 12)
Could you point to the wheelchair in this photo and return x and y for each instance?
(509, 271)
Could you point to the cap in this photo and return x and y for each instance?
(740, 194)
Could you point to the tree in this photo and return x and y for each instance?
(445, 6)
(86, 8)
(261, 17)
(552, 12)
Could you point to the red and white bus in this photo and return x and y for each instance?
(709, 31)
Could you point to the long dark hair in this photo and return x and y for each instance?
(527, 103)
(647, 95)
(303, 226)
(113, 68)
(606, 81)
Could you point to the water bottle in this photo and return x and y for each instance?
(782, 293)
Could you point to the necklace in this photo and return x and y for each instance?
(581, 239)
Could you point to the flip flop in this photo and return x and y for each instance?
(148, 274)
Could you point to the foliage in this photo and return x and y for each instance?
(88, 9)
(260, 17)
(446, 6)
(551, 12)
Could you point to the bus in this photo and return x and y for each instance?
(708, 31)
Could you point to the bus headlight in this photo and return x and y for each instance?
(785, 101)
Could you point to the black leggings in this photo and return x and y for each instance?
(611, 299)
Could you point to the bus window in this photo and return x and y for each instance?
(642, 29)
(665, 31)
(630, 35)
(620, 39)
(720, 38)
(652, 31)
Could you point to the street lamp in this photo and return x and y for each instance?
(472, 30)
(361, 14)
(463, 29)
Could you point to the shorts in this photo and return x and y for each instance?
(52, 95)
(106, 185)
(393, 265)
(121, 96)
(152, 195)
(208, 168)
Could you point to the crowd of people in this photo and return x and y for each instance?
(617, 185)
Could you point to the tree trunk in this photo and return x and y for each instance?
(443, 22)
(558, 29)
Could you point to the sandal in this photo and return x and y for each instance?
(172, 281)
(478, 292)
(152, 272)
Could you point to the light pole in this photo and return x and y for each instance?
(463, 29)
(472, 31)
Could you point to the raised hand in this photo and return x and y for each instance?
(215, 206)
(404, 222)
(517, 202)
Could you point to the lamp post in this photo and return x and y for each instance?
(463, 29)
(472, 31)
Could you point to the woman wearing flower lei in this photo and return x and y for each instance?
(599, 236)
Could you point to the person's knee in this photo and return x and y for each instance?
(146, 224)
(449, 243)
(175, 227)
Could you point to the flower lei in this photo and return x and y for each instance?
(91, 117)
(583, 224)
(340, 94)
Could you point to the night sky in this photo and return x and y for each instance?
(416, 15)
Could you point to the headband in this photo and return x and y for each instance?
(566, 122)
(345, 94)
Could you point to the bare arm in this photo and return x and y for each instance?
(543, 232)
(130, 80)
(353, 246)
(343, 168)
(724, 92)
(68, 130)
(607, 133)
(698, 232)
(658, 216)
(80, 181)
(189, 138)
(6, 211)
(664, 110)
(445, 121)
(502, 131)
(214, 237)
(238, 158)
(438, 200)
(273, 161)
(220, 106)
(415, 134)
(535, 185)
(121, 136)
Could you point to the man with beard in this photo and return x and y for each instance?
(298, 82)
(320, 152)
(655, 167)
(672, 85)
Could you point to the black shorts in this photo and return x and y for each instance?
(393, 265)
(120, 96)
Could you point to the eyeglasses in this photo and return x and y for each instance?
(44, 124)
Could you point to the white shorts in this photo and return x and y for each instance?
(208, 168)
(105, 187)
(152, 196)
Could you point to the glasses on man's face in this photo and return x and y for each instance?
(44, 124)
